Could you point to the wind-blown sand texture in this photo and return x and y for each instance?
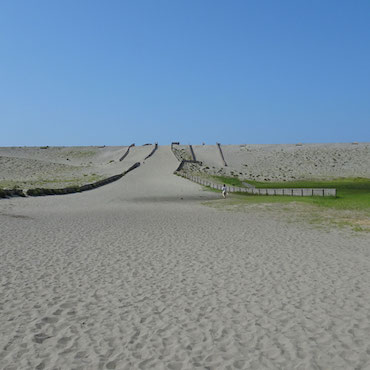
(282, 162)
(55, 167)
(138, 274)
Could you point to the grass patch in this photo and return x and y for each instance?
(352, 193)
(233, 181)
(350, 208)
(9, 184)
(79, 153)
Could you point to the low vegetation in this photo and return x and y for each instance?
(351, 207)
(79, 154)
(182, 154)
(352, 193)
(45, 182)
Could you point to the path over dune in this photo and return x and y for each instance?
(139, 275)
(154, 181)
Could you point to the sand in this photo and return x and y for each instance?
(287, 162)
(139, 274)
(56, 167)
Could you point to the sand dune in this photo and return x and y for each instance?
(288, 162)
(138, 274)
(57, 167)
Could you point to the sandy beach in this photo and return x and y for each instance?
(140, 274)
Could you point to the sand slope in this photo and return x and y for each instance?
(139, 275)
(55, 167)
(281, 162)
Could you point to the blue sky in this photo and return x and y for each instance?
(76, 72)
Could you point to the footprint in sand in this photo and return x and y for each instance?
(63, 341)
(40, 366)
(111, 365)
(81, 354)
(40, 338)
(50, 320)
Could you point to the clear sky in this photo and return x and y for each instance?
(85, 72)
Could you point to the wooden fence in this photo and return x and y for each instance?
(301, 192)
(192, 153)
(152, 152)
(127, 151)
(221, 154)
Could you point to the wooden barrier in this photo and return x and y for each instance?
(192, 153)
(300, 192)
(152, 152)
(221, 153)
(7, 193)
(127, 151)
(77, 189)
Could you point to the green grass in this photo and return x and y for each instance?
(352, 193)
(9, 184)
(350, 208)
(233, 181)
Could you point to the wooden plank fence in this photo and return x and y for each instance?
(300, 192)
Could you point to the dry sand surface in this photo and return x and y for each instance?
(282, 162)
(138, 274)
(55, 167)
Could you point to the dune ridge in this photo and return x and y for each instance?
(286, 162)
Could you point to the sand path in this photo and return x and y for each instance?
(131, 276)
